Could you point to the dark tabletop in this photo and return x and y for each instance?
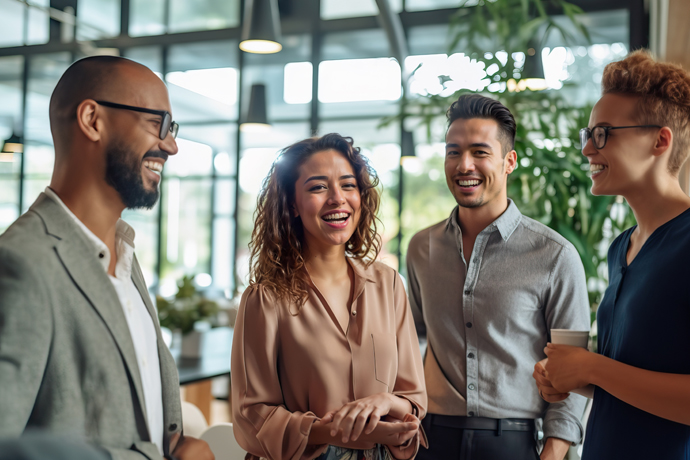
(214, 361)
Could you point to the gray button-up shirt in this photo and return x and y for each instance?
(487, 318)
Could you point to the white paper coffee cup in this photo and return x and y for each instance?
(568, 337)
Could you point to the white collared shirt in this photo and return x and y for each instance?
(140, 323)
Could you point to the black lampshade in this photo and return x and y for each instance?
(407, 144)
(14, 144)
(533, 67)
(256, 119)
(261, 27)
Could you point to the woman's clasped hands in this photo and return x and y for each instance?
(382, 418)
(565, 369)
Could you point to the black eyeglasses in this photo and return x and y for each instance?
(167, 125)
(600, 134)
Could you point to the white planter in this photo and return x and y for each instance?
(192, 344)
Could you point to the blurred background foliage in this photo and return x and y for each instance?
(552, 181)
(186, 308)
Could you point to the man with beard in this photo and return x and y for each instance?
(81, 353)
(486, 286)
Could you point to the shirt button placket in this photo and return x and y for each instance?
(468, 310)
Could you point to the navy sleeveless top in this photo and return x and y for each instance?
(644, 321)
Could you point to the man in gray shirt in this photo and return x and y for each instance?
(486, 286)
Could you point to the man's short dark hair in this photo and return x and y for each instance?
(476, 106)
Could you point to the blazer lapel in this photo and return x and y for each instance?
(77, 256)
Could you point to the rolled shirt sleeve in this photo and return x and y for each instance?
(567, 307)
(262, 424)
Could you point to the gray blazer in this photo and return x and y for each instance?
(67, 361)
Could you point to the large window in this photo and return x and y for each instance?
(203, 222)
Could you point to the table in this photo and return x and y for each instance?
(196, 373)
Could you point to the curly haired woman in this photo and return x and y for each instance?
(325, 357)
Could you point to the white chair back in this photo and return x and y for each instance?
(222, 442)
(193, 421)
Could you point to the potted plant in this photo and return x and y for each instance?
(190, 314)
(552, 182)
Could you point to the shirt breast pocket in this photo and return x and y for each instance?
(385, 357)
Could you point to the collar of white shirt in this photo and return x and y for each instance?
(124, 241)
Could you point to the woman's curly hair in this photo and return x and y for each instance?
(277, 244)
(664, 92)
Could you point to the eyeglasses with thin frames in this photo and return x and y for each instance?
(167, 125)
(600, 134)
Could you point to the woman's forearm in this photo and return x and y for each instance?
(320, 434)
(662, 394)
(399, 407)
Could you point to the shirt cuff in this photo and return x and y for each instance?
(565, 429)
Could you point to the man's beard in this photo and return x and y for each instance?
(123, 173)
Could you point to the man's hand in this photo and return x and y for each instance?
(361, 416)
(554, 449)
(188, 448)
(567, 367)
(546, 390)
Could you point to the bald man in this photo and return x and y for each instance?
(81, 352)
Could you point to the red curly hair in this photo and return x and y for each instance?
(664, 97)
(277, 243)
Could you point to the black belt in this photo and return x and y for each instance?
(482, 423)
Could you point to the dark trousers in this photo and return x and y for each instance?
(464, 438)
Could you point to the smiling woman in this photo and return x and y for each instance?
(322, 321)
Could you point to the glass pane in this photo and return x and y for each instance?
(224, 198)
(145, 224)
(335, 9)
(202, 80)
(11, 96)
(186, 230)
(422, 5)
(9, 197)
(32, 188)
(12, 30)
(426, 198)
(203, 14)
(39, 23)
(223, 257)
(150, 56)
(576, 70)
(44, 72)
(39, 159)
(358, 80)
(429, 39)
(98, 19)
(209, 146)
(360, 54)
(259, 151)
(382, 148)
(192, 159)
(146, 17)
(287, 76)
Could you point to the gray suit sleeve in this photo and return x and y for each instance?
(26, 329)
(139, 451)
(567, 307)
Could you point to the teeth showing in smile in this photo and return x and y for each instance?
(596, 168)
(468, 183)
(336, 216)
(153, 166)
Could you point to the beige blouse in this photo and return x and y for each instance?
(288, 370)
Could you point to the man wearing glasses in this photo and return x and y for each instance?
(81, 352)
